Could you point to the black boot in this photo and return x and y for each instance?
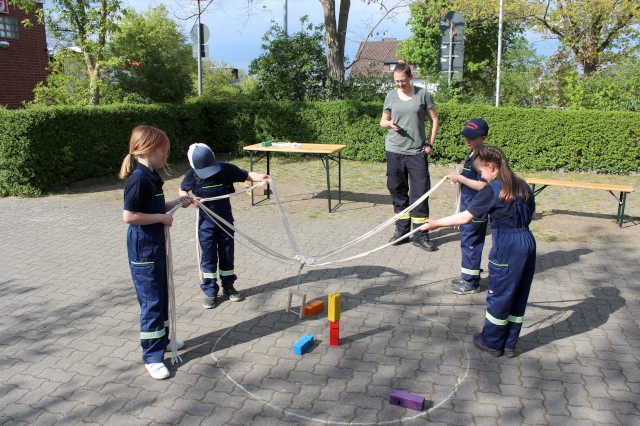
(421, 239)
(396, 237)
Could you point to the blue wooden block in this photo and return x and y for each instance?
(302, 345)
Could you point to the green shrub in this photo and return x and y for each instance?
(44, 147)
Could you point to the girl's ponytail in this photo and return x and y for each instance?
(127, 167)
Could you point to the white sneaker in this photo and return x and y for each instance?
(179, 345)
(158, 370)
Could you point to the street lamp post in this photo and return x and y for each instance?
(285, 18)
(499, 56)
(199, 52)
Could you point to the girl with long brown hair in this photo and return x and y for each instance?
(509, 202)
(145, 210)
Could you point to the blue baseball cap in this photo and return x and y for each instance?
(202, 160)
(475, 128)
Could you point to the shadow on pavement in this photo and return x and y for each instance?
(559, 258)
(586, 315)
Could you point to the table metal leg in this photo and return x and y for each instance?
(326, 162)
(339, 178)
(251, 169)
(269, 174)
(327, 166)
(622, 202)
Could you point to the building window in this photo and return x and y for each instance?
(8, 27)
(392, 67)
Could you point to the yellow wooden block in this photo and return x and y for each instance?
(334, 307)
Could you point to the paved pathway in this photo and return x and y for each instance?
(69, 349)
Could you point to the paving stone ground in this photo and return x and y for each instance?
(69, 349)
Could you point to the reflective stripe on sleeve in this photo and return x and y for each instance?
(498, 264)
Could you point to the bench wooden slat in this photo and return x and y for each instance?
(574, 184)
(620, 199)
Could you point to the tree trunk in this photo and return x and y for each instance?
(335, 37)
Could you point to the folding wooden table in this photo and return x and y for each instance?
(328, 153)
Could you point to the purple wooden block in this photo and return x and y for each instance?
(407, 400)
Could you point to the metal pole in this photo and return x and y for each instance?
(199, 49)
(285, 18)
(450, 53)
(499, 56)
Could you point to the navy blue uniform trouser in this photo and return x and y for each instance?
(472, 236)
(407, 180)
(511, 267)
(217, 249)
(148, 265)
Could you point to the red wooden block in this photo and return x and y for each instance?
(313, 308)
(334, 333)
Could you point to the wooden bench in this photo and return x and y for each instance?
(622, 189)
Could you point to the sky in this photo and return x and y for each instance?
(236, 32)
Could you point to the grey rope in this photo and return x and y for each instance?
(172, 293)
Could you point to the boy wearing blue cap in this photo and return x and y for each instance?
(208, 178)
(472, 234)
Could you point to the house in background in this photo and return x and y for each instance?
(379, 57)
(23, 55)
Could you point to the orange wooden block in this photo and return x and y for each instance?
(313, 308)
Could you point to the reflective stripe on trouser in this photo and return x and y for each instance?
(417, 222)
(511, 268)
(150, 281)
(407, 180)
(472, 236)
(217, 252)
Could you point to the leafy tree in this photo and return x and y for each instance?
(292, 67)
(335, 37)
(596, 32)
(370, 87)
(335, 34)
(480, 46)
(522, 70)
(150, 57)
(614, 88)
(67, 82)
(86, 24)
(217, 81)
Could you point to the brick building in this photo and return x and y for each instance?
(23, 55)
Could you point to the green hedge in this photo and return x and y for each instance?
(40, 148)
